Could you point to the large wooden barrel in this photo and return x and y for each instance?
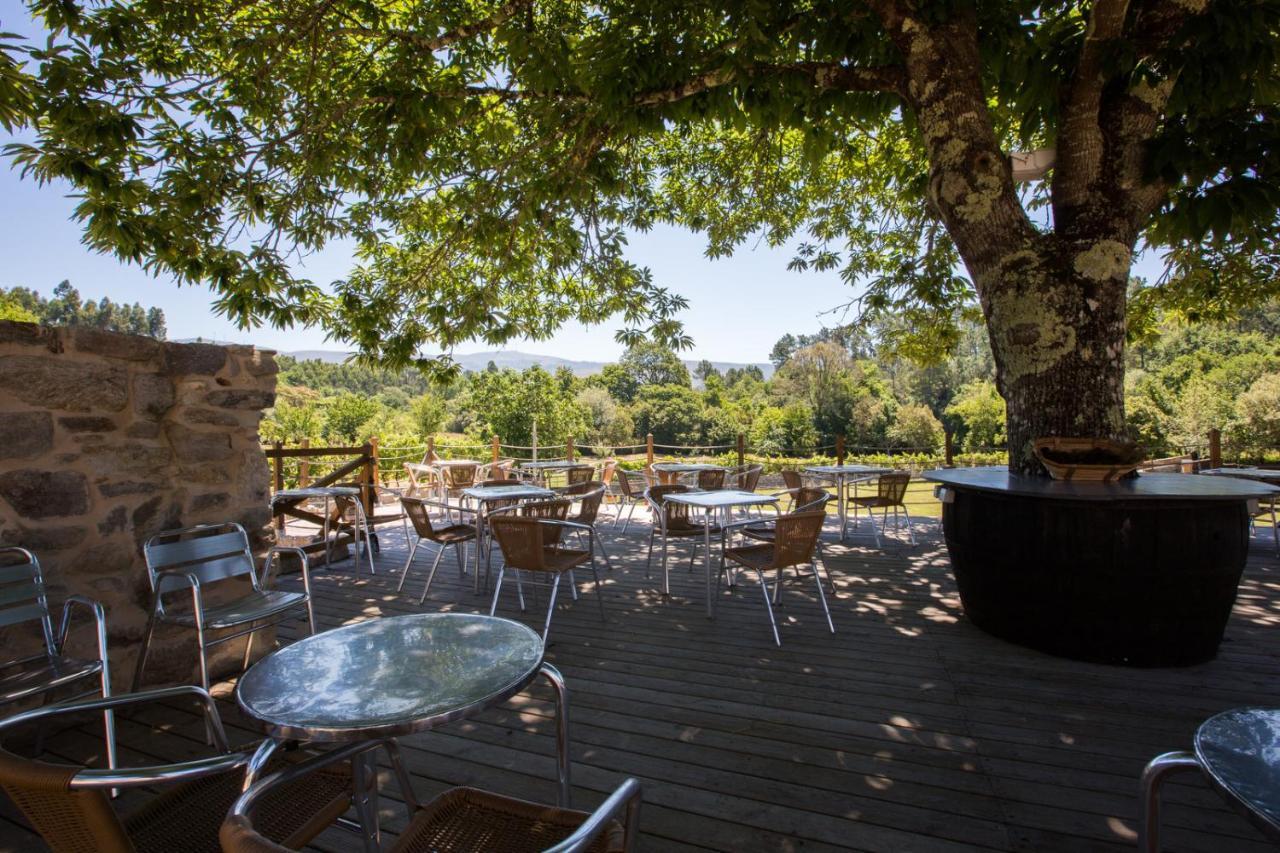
(1146, 582)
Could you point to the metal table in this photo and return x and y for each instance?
(1266, 475)
(675, 469)
(711, 503)
(843, 474)
(1238, 751)
(328, 493)
(388, 677)
(484, 495)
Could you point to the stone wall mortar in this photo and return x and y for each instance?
(107, 439)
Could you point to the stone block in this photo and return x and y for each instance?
(30, 334)
(126, 487)
(194, 446)
(87, 423)
(24, 435)
(129, 460)
(261, 363)
(204, 503)
(45, 494)
(41, 539)
(114, 344)
(116, 520)
(212, 417)
(143, 429)
(153, 395)
(54, 383)
(241, 399)
(185, 359)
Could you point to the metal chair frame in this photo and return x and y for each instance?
(775, 566)
(594, 541)
(196, 557)
(762, 530)
(504, 516)
(460, 547)
(1267, 507)
(628, 496)
(23, 599)
(662, 524)
(900, 503)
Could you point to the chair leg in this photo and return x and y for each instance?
(551, 608)
(1153, 776)
(435, 564)
(460, 550)
(497, 590)
(520, 589)
(666, 576)
(768, 606)
(142, 655)
(599, 589)
(573, 585)
(248, 650)
(649, 559)
(404, 573)
(603, 553)
(563, 764)
(822, 596)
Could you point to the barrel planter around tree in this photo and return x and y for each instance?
(1141, 572)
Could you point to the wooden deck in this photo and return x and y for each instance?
(907, 730)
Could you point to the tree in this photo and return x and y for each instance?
(608, 423)
(980, 413)
(67, 308)
(1256, 425)
(672, 413)
(345, 415)
(847, 397)
(704, 371)
(653, 364)
(915, 428)
(428, 412)
(486, 159)
(507, 404)
(12, 309)
(788, 429)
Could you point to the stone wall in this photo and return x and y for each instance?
(107, 439)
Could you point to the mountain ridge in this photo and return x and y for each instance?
(517, 360)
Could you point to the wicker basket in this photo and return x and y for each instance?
(1127, 456)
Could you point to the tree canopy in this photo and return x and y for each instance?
(68, 308)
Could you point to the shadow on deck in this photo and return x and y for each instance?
(906, 730)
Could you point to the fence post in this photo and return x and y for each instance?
(304, 465)
(568, 449)
(276, 462)
(431, 450)
(742, 450)
(839, 449)
(948, 448)
(495, 450)
(1215, 448)
(377, 461)
(648, 449)
(369, 466)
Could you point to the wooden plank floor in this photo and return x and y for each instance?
(906, 730)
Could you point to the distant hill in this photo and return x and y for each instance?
(513, 359)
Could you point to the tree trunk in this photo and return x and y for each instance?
(1057, 327)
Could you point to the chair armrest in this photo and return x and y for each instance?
(99, 617)
(445, 505)
(625, 799)
(747, 522)
(98, 703)
(302, 558)
(247, 801)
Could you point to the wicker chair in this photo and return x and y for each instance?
(795, 540)
(532, 542)
(23, 601)
(711, 479)
(891, 492)
(198, 558)
(1267, 509)
(577, 479)
(455, 535)
(631, 489)
(456, 478)
(462, 820)
(423, 478)
(588, 510)
(673, 521)
(802, 500)
(70, 808)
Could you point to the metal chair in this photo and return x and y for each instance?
(70, 808)
(891, 492)
(455, 535)
(500, 471)
(588, 510)
(802, 500)
(456, 478)
(709, 480)
(462, 819)
(349, 515)
(673, 521)
(795, 540)
(577, 480)
(631, 489)
(197, 558)
(1267, 508)
(424, 478)
(532, 542)
(22, 601)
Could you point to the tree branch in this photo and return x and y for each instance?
(823, 75)
(465, 31)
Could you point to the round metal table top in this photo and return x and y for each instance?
(390, 676)
(1269, 475)
(685, 467)
(1239, 750)
(317, 492)
(837, 470)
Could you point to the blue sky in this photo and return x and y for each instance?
(738, 306)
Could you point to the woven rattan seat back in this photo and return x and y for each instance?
(631, 483)
(497, 482)
(521, 541)
(76, 821)
(556, 509)
(795, 537)
(892, 488)
(419, 517)
(22, 594)
(792, 480)
(811, 500)
(580, 475)
(711, 479)
(607, 470)
(460, 476)
(674, 515)
(749, 480)
(589, 503)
